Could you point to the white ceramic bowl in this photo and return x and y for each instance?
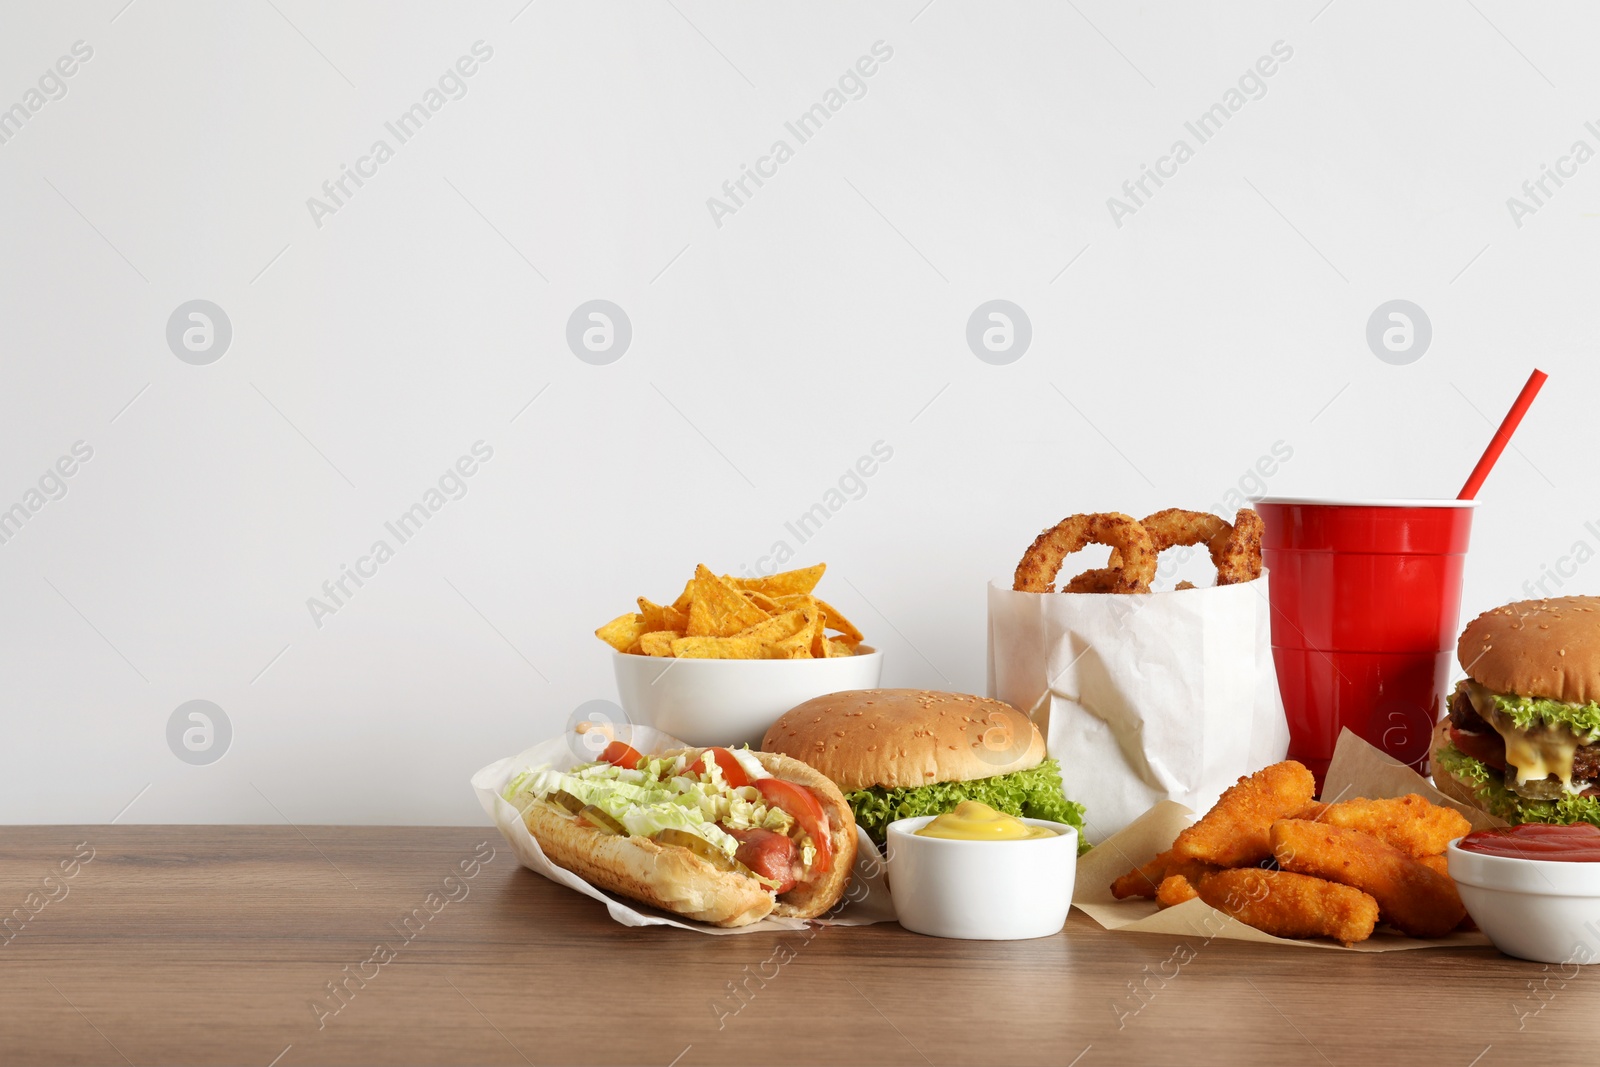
(732, 701)
(1542, 910)
(981, 890)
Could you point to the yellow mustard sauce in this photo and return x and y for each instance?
(973, 820)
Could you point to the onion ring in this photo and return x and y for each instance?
(1241, 554)
(1175, 526)
(1167, 528)
(1036, 573)
(1099, 580)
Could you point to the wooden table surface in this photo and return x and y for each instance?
(180, 944)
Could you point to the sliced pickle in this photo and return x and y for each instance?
(699, 846)
(1546, 788)
(563, 799)
(602, 820)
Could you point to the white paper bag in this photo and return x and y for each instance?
(1142, 698)
(866, 900)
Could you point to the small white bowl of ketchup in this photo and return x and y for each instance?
(986, 877)
(1533, 889)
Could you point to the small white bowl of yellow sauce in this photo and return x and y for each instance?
(976, 874)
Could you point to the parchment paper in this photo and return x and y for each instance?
(1142, 698)
(866, 900)
(1358, 770)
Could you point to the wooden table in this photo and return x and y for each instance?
(218, 945)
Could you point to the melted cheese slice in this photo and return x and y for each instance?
(1536, 753)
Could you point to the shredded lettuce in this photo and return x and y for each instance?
(1491, 792)
(1036, 793)
(646, 821)
(645, 805)
(516, 784)
(752, 766)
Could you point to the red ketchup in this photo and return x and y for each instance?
(1578, 843)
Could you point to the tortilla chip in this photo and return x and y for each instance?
(836, 621)
(659, 642)
(797, 581)
(718, 609)
(621, 632)
(764, 602)
(797, 647)
(716, 648)
(782, 627)
(657, 617)
(682, 603)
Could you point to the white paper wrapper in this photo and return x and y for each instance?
(1358, 770)
(1142, 698)
(867, 900)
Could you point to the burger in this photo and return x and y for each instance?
(1522, 740)
(901, 753)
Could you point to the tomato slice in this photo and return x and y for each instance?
(802, 803)
(621, 754)
(1488, 747)
(732, 770)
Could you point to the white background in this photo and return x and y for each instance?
(826, 314)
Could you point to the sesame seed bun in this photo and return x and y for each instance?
(898, 738)
(1537, 648)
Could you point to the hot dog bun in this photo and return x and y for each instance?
(674, 879)
(810, 899)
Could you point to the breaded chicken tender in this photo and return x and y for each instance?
(1192, 871)
(1412, 897)
(1237, 831)
(1441, 864)
(1292, 905)
(1410, 823)
(1175, 889)
(1145, 881)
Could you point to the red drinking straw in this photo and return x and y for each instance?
(1502, 436)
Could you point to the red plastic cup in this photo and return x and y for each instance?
(1366, 605)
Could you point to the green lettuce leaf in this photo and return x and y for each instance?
(1036, 793)
(1526, 712)
(1492, 794)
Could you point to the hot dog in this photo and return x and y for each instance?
(719, 836)
(769, 854)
